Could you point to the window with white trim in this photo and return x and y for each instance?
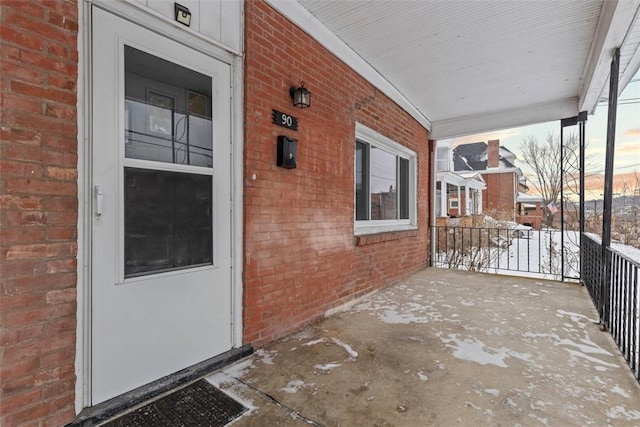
(385, 183)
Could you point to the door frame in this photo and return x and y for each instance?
(154, 22)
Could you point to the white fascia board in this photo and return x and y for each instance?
(444, 143)
(616, 20)
(633, 66)
(460, 180)
(526, 198)
(505, 119)
(308, 23)
(472, 175)
(491, 171)
(450, 178)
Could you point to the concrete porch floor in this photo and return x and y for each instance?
(444, 348)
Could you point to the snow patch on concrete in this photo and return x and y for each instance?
(238, 370)
(327, 366)
(577, 354)
(265, 356)
(293, 386)
(622, 413)
(305, 334)
(314, 342)
(509, 401)
(619, 390)
(578, 318)
(474, 350)
(538, 405)
(587, 346)
(347, 348)
(389, 311)
(492, 391)
(543, 421)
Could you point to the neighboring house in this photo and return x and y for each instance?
(529, 210)
(496, 164)
(457, 193)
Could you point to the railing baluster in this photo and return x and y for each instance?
(613, 324)
(627, 309)
(635, 319)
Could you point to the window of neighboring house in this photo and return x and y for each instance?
(442, 159)
(385, 181)
(453, 203)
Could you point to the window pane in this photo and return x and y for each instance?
(442, 159)
(168, 221)
(167, 111)
(384, 187)
(362, 181)
(404, 188)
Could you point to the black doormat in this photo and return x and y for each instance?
(199, 404)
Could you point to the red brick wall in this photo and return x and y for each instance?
(301, 256)
(38, 211)
(499, 196)
(493, 153)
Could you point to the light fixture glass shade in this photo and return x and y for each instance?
(301, 97)
(182, 14)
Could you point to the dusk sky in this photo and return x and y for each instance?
(627, 148)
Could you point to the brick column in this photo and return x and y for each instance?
(38, 211)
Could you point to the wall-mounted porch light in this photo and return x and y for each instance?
(301, 96)
(183, 15)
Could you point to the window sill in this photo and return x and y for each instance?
(379, 237)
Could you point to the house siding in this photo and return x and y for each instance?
(38, 211)
(301, 255)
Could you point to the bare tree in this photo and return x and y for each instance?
(544, 160)
(623, 189)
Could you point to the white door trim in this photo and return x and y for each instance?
(161, 25)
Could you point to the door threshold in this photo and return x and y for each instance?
(114, 406)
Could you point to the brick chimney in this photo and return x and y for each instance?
(493, 153)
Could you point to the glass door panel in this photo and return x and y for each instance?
(167, 111)
(168, 215)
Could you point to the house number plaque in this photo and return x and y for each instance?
(284, 120)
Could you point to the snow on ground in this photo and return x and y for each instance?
(347, 348)
(327, 366)
(542, 253)
(629, 251)
(295, 385)
(473, 350)
(265, 356)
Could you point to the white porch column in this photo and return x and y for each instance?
(479, 201)
(459, 201)
(443, 198)
(467, 201)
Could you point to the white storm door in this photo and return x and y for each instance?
(161, 213)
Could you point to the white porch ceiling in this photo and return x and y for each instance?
(462, 67)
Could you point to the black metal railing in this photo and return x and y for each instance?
(612, 281)
(525, 251)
